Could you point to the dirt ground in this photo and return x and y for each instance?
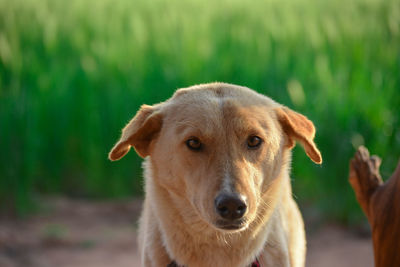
(76, 233)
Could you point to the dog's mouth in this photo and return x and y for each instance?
(231, 225)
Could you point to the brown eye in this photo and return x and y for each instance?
(194, 144)
(254, 142)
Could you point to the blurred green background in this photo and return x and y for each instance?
(72, 73)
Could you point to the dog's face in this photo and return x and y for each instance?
(219, 147)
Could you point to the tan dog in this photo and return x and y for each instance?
(217, 180)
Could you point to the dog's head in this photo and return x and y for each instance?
(220, 147)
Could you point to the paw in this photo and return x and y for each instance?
(364, 176)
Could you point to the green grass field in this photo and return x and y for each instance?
(72, 73)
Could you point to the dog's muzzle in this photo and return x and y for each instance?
(231, 209)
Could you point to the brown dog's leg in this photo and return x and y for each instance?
(381, 204)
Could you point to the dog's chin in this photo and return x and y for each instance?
(231, 227)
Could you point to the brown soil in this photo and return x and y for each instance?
(76, 233)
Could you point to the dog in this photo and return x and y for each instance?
(380, 202)
(217, 186)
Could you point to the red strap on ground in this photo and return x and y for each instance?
(256, 263)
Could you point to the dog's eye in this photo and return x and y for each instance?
(254, 142)
(194, 144)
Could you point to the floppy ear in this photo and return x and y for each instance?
(299, 128)
(139, 133)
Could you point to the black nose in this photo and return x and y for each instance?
(230, 206)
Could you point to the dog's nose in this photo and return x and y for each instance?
(230, 206)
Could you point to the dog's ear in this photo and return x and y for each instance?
(298, 128)
(139, 133)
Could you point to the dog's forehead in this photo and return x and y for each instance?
(208, 106)
(221, 91)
